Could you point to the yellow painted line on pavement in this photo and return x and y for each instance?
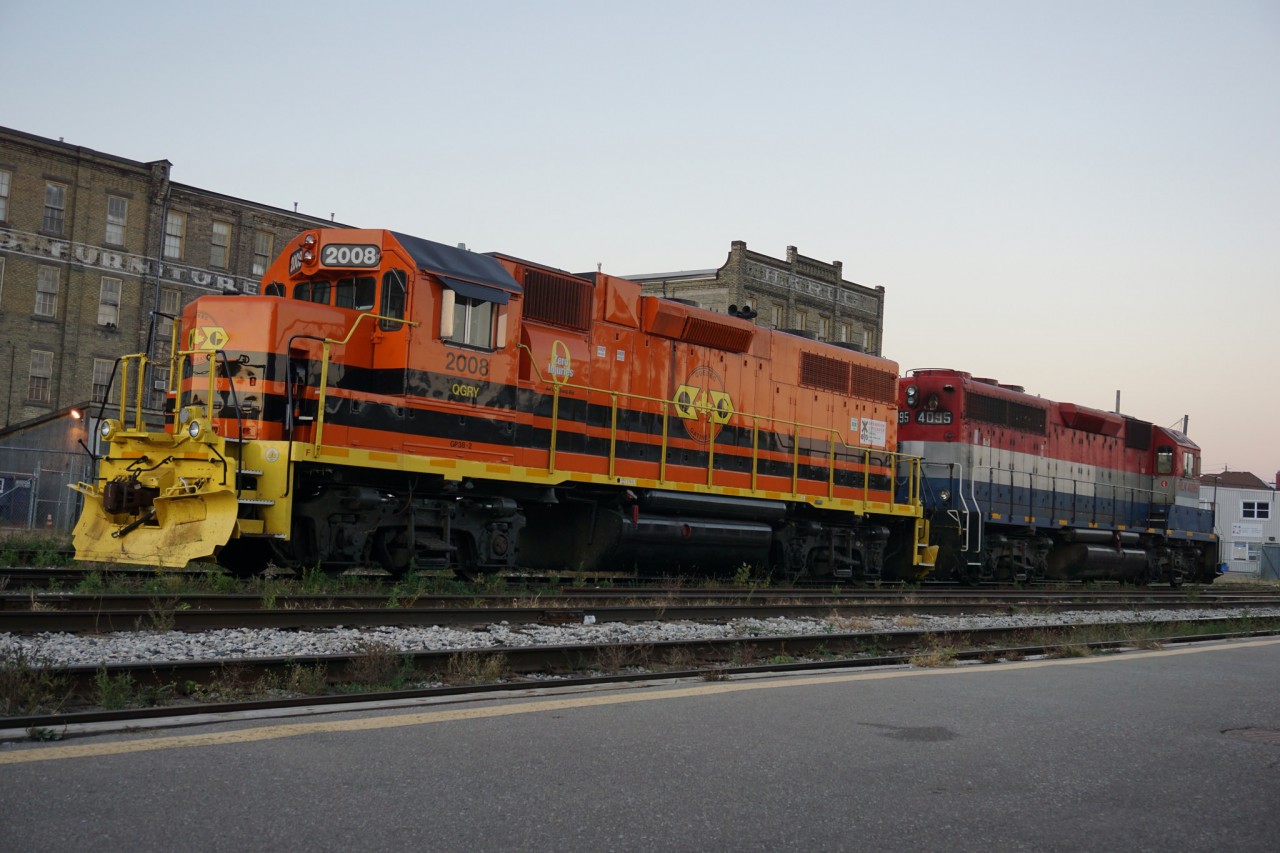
(367, 723)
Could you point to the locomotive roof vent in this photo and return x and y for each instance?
(670, 319)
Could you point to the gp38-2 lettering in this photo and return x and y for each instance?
(464, 363)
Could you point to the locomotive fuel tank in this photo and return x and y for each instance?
(1080, 561)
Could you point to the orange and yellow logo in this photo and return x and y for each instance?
(703, 404)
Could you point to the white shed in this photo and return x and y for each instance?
(1246, 519)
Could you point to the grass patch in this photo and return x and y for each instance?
(380, 665)
(934, 656)
(114, 692)
(473, 667)
(29, 684)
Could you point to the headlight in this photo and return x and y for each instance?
(913, 395)
(945, 496)
(195, 428)
(108, 428)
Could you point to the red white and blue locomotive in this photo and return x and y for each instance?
(1017, 487)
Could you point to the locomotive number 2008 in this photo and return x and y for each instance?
(341, 255)
(464, 363)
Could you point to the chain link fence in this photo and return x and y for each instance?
(34, 493)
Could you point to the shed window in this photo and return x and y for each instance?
(1255, 509)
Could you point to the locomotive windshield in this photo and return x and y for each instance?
(355, 293)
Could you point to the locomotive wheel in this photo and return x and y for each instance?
(245, 558)
(969, 575)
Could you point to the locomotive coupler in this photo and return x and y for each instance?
(127, 496)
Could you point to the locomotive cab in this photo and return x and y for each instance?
(1175, 487)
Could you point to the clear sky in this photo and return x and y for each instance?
(1078, 197)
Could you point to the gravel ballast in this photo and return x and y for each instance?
(163, 646)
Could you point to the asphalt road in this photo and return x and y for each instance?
(1162, 750)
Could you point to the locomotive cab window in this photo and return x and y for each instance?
(312, 291)
(1164, 460)
(467, 321)
(356, 293)
(393, 300)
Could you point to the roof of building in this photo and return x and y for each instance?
(1233, 480)
(672, 276)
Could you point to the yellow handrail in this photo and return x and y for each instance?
(325, 348)
(889, 459)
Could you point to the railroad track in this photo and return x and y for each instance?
(576, 664)
(102, 614)
(41, 577)
(574, 596)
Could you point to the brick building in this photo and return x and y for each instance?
(797, 294)
(90, 245)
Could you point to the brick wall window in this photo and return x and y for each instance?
(170, 303)
(46, 291)
(109, 301)
(263, 242)
(1, 281)
(175, 234)
(776, 316)
(220, 245)
(5, 178)
(102, 368)
(117, 214)
(802, 320)
(41, 376)
(824, 329)
(846, 333)
(55, 204)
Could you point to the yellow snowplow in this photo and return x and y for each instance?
(161, 498)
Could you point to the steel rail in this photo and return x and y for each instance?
(717, 656)
(164, 617)
(572, 597)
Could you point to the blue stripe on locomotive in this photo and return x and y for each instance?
(1126, 509)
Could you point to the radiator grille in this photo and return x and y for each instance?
(819, 371)
(1017, 416)
(871, 384)
(1137, 434)
(559, 300)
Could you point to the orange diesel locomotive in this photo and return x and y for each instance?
(389, 400)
